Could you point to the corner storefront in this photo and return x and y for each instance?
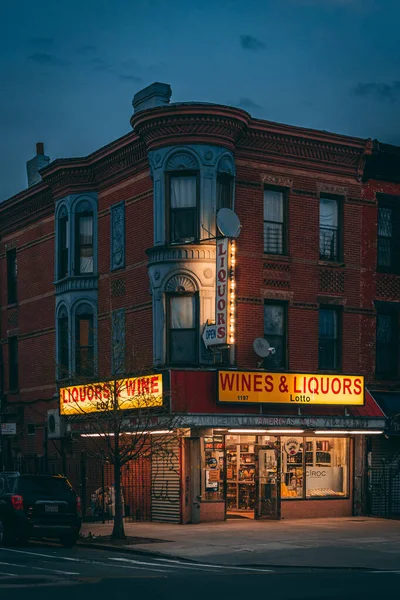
(272, 460)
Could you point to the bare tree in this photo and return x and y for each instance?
(123, 420)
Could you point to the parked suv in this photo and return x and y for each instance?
(38, 506)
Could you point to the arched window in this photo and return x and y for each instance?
(84, 239)
(84, 340)
(63, 244)
(182, 320)
(182, 193)
(63, 343)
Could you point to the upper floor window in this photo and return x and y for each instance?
(224, 191)
(183, 208)
(84, 340)
(182, 328)
(13, 363)
(387, 342)
(63, 245)
(274, 222)
(275, 332)
(329, 231)
(12, 276)
(84, 243)
(63, 343)
(388, 236)
(328, 339)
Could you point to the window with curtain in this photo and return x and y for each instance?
(182, 330)
(84, 243)
(12, 276)
(84, 341)
(274, 225)
(63, 344)
(63, 245)
(387, 343)
(328, 229)
(224, 191)
(183, 208)
(275, 334)
(13, 363)
(328, 339)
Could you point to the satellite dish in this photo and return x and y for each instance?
(228, 223)
(261, 347)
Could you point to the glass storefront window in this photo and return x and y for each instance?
(327, 467)
(292, 449)
(213, 467)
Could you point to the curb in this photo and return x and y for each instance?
(126, 550)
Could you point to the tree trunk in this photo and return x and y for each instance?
(118, 529)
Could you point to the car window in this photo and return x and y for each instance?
(44, 485)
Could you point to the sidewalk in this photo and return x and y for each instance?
(354, 542)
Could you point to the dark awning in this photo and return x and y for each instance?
(389, 403)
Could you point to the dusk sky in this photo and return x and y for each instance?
(69, 69)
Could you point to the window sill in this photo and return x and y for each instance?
(12, 305)
(284, 257)
(331, 263)
(381, 271)
(13, 392)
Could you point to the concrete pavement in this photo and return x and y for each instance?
(354, 542)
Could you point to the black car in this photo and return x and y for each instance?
(38, 506)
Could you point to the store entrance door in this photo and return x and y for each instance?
(268, 480)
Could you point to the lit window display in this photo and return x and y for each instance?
(292, 448)
(327, 467)
(213, 468)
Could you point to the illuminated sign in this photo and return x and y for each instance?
(288, 388)
(221, 292)
(123, 394)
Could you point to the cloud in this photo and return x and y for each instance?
(249, 42)
(247, 104)
(46, 59)
(130, 78)
(381, 91)
(86, 49)
(42, 41)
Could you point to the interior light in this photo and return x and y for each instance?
(331, 432)
(285, 430)
(247, 430)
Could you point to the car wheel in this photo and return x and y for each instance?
(69, 539)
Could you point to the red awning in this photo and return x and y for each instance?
(370, 408)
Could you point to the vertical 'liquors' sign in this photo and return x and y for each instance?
(221, 296)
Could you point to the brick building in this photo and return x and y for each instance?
(108, 264)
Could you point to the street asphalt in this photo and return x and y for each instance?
(41, 570)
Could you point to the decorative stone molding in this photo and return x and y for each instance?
(180, 283)
(118, 341)
(180, 253)
(181, 161)
(327, 188)
(226, 165)
(277, 295)
(208, 273)
(276, 180)
(118, 236)
(79, 283)
(203, 123)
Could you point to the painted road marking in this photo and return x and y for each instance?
(39, 554)
(176, 564)
(260, 570)
(21, 566)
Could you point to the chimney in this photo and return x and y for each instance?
(36, 163)
(156, 94)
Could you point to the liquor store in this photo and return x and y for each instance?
(266, 455)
